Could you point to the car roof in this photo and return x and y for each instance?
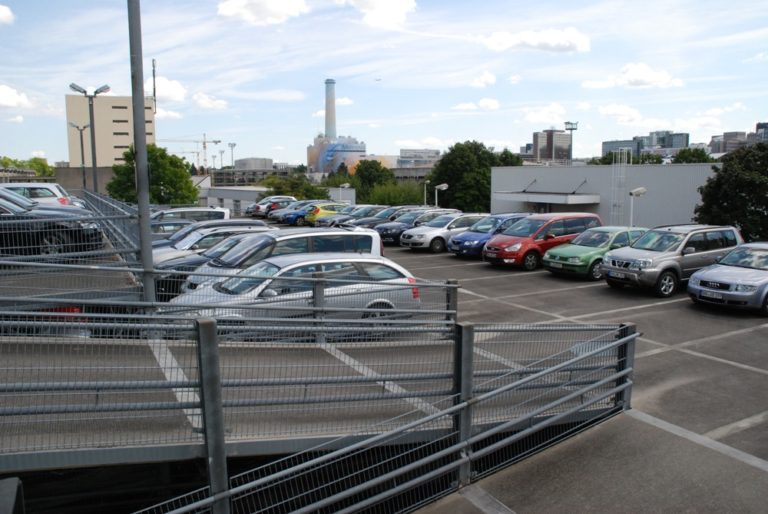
(557, 215)
(230, 222)
(615, 228)
(686, 228)
(320, 257)
(244, 228)
(758, 245)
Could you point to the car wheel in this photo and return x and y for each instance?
(764, 308)
(53, 243)
(300, 221)
(594, 272)
(666, 285)
(437, 245)
(378, 314)
(530, 261)
(614, 284)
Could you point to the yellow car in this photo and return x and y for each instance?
(323, 209)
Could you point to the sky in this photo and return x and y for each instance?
(409, 73)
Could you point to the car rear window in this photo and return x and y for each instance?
(359, 243)
(378, 271)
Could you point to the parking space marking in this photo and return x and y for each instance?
(738, 426)
(459, 265)
(174, 372)
(505, 275)
(483, 500)
(390, 386)
(701, 440)
(634, 307)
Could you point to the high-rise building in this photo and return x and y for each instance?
(654, 142)
(552, 145)
(113, 117)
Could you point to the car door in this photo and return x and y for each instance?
(291, 294)
(694, 254)
(553, 235)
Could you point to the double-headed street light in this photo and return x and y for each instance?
(439, 187)
(82, 148)
(103, 89)
(232, 153)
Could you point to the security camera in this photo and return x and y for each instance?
(638, 191)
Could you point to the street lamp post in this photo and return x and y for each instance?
(232, 153)
(82, 149)
(221, 159)
(97, 91)
(425, 192)
(439, 187)
(570, 126)
(638, 191)
(342, 187)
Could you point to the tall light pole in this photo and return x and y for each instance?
(232, 153)
(439, 187)
(638, 191)
(425, 192)
(342, 187)
(82, 149)
(221, 158)
(103, 89)
(570, 126)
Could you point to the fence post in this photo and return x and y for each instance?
(318, 304)
(463, 370)
(626, 360)
(213, 410)
(452, 300)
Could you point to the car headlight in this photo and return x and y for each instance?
(745, 288)
(574, 260)
(694, 281)
(419, 236)
(471, 243)
(90, 225)
(515, 247)
(641, 264)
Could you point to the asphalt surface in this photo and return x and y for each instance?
(696, 438)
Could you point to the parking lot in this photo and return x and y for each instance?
(698, 428)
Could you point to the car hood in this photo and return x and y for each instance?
(211, 270)
(165, 254)
(569, 250)
(472, 236)
(184, 262)
(204, 295)
(501, 240)
(393, 224)
(732, 274)
(425, 230)
(630, 254)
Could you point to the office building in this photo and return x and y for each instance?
(553, 146)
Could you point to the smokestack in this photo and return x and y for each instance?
(330, 109)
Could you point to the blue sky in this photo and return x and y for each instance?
(409, 73)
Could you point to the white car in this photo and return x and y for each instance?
(434, 235)
(200, 240)
(192, 213)
(45, 193)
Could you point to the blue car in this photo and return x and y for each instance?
(471, 242)
(297, 217)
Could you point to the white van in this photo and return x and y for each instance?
(192, 213)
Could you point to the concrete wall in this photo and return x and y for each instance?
(671, 197)
(71, 179)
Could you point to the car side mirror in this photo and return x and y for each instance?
(268, 293)
(689, 249)
(615, 246)
(549, 236)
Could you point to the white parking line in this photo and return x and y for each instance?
(173, 372)
(484, 501)
(459, 265)
(738, 426)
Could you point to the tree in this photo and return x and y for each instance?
(507, 158)
(38, 164)
(391, 193)
(368, 175)
(169, 179)
(295, 184)
(737, 193)
(466, 168)
(691, 155)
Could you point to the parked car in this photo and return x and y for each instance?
(665, 256)
(383, 216)
(471, 242)
(300, 240)
(360, 211)
(390, 231)
(261, 208)
(738, 280)
(184, 232)
(34, 232)
(51, 209)
(200, 240)
(298, 216)
(321, 209)
(45, 193)
(163, 229)
(434, 235)
(192, 213)
(276, 214)
(584, 255)
(525, 242)
(282, 286)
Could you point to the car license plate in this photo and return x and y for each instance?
(491, 255)
(712, 294)
(555, 265)
(616, 274)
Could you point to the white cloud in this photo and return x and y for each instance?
(374, 125)
(583, 106)
(276, 95)
(719, 111)
(486, 79)
(166, 114)
(319, 114)
(626, 115)
(9, 97)
(6, 15)
(759, 57)
(167, 90)
(344, 101)
(278, 148)
(467, 106)
(427, 142)
(262, 12)
(208, 102)
(514, 79)
(635, 75)
(553, 40)
(488, 104)
(16, 119)
(552, 114)
(385, 14)
(38, 153)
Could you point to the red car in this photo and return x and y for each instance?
(524, 243)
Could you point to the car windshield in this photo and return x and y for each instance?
(12, 207)
(184, 232)
(188, 241)
(524, 228)
(18, 199)
(363, 211)
(440, 221)
(658, 241)
(386, 213)
(221, 248)
(408, 217)
(485, 225)
(755, 258)
(248, 279)
(347, 209)
(592, 239)
(244, 250)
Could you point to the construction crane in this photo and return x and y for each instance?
(196, 153)
(203, 141)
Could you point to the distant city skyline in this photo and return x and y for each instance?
(409, 74)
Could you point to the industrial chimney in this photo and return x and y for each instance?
(330, 109)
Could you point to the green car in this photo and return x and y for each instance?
(584, 254)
